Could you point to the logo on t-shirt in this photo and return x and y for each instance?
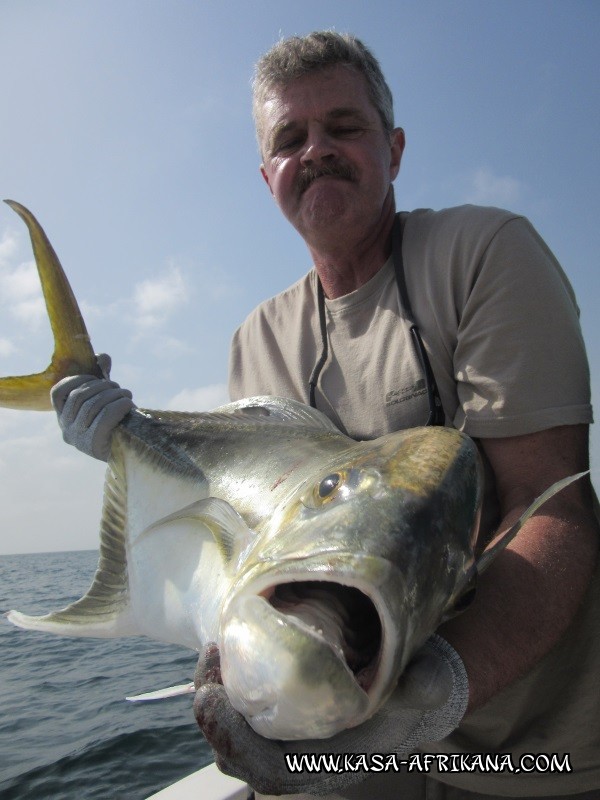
(416, 389)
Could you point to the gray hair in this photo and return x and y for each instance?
(299, 55)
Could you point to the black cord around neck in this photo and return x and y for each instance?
(436, 410)
(312, 383)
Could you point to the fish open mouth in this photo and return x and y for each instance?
(343, 616)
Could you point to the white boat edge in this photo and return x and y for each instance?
(208, 783)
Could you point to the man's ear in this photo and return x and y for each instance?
(263, 172)
(398, 142)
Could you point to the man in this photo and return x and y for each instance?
(473, 307)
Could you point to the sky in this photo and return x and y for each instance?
(126, 129)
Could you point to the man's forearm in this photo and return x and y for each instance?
(526, 599)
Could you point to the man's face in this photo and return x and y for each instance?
(328, 160)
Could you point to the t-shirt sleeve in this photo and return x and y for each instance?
(520, 362)
(274, 350)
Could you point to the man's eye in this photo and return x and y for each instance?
(347, 131)
(288, 145)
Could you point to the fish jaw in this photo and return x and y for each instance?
(287, 663)
(300, 670)
(269, 689)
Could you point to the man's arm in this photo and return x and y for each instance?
(528, 597)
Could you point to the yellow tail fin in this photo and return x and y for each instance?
(73, 352)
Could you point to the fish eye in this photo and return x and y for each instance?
(328, 490)
(341, 486)
(329, 484)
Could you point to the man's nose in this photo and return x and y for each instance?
(319, 146)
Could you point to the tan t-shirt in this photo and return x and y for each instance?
(496, 313)
(500, 325)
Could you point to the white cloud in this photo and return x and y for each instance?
(32, 312)
(166, 347)
(488, 189)
(205, 398)
(21, 282)
(20, 289)
(91, 311)
(156, 299)
(8, 248)
(7, 348)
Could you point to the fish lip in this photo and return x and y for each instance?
(349, 607)
(276, 672)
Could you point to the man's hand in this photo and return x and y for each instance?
(427, 705)
(90, 408)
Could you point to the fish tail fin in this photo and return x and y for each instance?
(490, 553)
(104, 611)
(73, 352)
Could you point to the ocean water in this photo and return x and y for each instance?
(66, 731)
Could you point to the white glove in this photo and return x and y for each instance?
(428, 704)
(90, 408)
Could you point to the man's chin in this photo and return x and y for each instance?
(325, 223)
(326, 199)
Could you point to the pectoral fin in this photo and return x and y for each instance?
(73, 353)
(228, 528)
(163, 694)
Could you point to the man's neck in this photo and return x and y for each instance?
(347, 266)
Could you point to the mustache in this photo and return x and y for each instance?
(336, 170)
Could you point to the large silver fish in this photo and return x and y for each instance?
(318, 563)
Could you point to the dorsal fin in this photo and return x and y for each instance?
(266, 410)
